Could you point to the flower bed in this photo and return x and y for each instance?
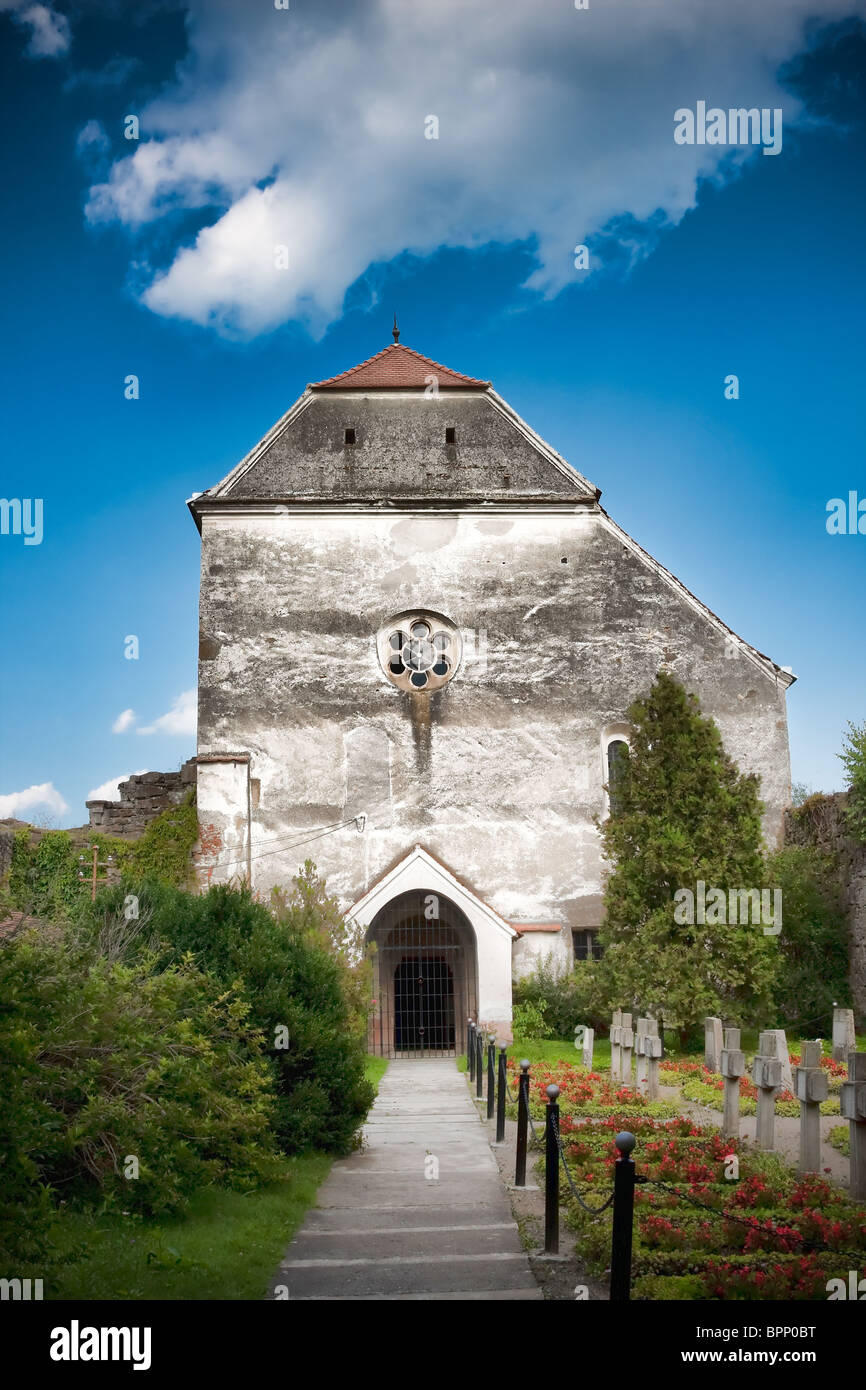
(768, 1234)
(583, 1093)
(705, 1087)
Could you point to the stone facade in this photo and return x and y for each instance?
(312, 547)
(142, 797)
(823, 824)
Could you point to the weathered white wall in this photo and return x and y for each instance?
(500, 774)
(555, 949)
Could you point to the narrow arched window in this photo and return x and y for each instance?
(617, 754)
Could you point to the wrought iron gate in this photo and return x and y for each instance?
(423, 978)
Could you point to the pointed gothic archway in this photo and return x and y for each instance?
(424, 977)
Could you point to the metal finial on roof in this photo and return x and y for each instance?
(395, 332)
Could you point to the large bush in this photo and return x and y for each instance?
(298, 989)
(123, 1081)
(568, 996)
(813, 941)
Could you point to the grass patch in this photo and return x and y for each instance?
(226, 1247)
(374, 1070)
(553, 1050)
(839, 1138)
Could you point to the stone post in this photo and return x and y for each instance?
(641, 1060)
(844, 1040)
(811, 1088)
(653, 1045)
(853, 1106)
(712, 1043)
(767, 1076)
(627, 1049)
(616, 1047)
(588, 1045)
(787, 1082)
(733, 1066)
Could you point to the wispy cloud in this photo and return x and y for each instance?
(554, 125)
(44, 795)
(50, 35)
(124, 721)
(180, 719)
(112, 74)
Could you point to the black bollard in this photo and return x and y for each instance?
(623, 1212)
(522, 1124)
(470, 1048)
(500, 1096)
(551, 1174)
(491, 1079)
(479, 1063)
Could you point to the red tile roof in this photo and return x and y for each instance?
(397, 368)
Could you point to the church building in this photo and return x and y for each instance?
(420, 634)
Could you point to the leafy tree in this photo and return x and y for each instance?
(813, 943)
(853, 757)
(684, 814)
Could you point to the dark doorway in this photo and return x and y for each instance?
(423, 1005)
(424, 977)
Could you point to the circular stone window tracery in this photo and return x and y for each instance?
(419, 650)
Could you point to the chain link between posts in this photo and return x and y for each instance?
(593, 1211)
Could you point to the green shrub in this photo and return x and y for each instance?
(110, 1060)
(297, 990)
(813, 942)
(568, 997)
(164, 851)
(44, 876)
(49, 876)
(529, 1024)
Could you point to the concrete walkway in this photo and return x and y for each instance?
(387, 1227)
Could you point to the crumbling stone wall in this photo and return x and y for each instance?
(821, 822)
(141, 799)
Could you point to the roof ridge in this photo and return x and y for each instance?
(402, 349)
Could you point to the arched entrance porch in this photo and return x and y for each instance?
(425, 972)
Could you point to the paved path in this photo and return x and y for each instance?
(384, 1229)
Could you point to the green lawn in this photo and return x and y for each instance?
(375, 1069)
(227, 1246)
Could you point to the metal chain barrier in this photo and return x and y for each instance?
(593, 1211)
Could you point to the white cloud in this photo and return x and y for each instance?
(180, 719)
(44, 795)
(310, 133)
(124, 721)
(110, 790)
(92, 136)
(49, 31)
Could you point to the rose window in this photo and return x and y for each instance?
(419, 651)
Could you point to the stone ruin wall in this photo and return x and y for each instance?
(142, 798)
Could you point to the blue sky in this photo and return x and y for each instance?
(140, 258)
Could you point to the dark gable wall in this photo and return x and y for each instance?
(400, 451)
